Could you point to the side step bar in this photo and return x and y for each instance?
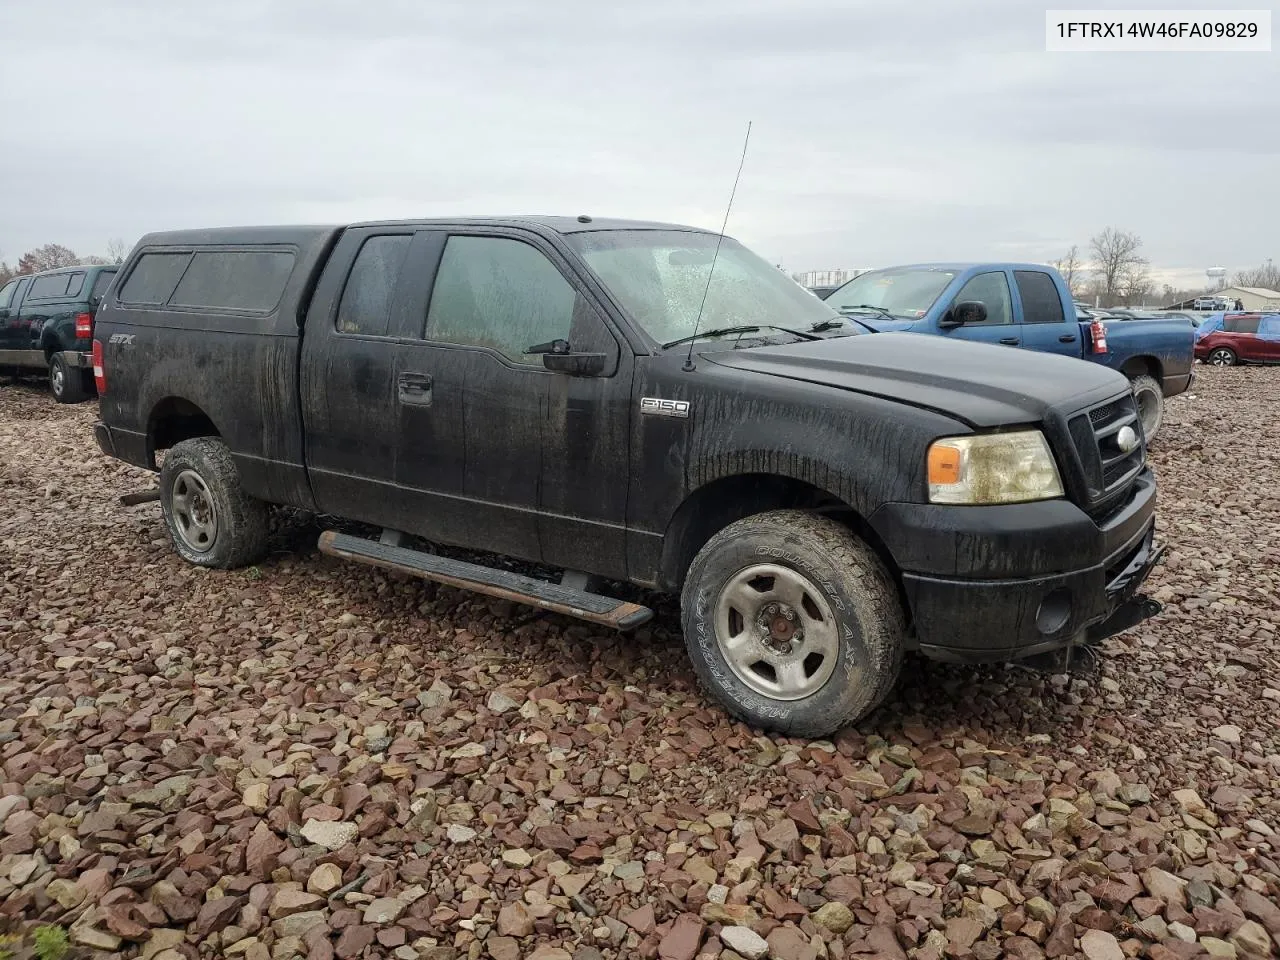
(555, 597)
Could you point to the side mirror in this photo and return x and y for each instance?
(576, 364)
(557, 355)
(966, 311)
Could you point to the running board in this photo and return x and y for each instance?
(618, 614)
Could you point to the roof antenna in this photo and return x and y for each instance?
(688, 360)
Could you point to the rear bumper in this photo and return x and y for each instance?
(1002, 583)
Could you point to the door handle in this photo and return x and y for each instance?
(1009, 341)
(414, 389)
(1067, 338)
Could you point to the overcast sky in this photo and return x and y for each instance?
(883, 132)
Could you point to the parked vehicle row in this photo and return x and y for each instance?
(598, 398)
(46, 324)
(1022, 305)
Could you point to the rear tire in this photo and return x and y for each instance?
(67, 383)
(211, 520)
(793, 623)
(1149, 398)
(1223, 357)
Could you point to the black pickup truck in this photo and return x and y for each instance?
(822, 497)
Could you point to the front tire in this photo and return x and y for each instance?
(66, 383)
(1223, 357)
(793, 623)
(211, 520)
(1149, 398)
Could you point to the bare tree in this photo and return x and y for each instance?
(48, 257)
(116, 250)
(1115, 257)
(1072, 269)
(1267, 276)
(1136, 284)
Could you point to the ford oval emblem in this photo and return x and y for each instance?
(1126, 439)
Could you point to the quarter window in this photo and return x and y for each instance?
(991, 290)
(75, 283)
(499, 293)
(153, 278)
(101, 282)
(366, 300)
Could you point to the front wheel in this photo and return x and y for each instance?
(212, 521)
(1223, 357)
(793, 623)
(66, 383)
(1149, 398)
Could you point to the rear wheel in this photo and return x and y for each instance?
(1223, 357)
(67, 383)
(793, 623)
(1149, 398)
(212, 521)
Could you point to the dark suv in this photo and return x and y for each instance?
(46, 323)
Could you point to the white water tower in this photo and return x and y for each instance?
(1217, 277)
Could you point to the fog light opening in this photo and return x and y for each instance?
(1054, 611)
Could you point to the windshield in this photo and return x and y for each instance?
(659, 277)
(906, 294)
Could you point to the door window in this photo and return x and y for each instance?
(991, 290)
(6, 295)
(499, 293)
(366, 300)
(1040, 300)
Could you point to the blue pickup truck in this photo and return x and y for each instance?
(1022, 305)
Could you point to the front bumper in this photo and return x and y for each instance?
(988, 584)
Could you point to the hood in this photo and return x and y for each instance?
(980, 384)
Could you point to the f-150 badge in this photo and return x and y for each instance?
(653, 407)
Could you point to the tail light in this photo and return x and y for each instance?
(99, 375)
(1098, 333)
(84, 326)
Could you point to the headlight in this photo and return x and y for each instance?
(993, 468)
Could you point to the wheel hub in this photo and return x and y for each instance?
(777, 631)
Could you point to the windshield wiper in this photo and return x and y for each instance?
(866, 306)
(726, 331)
(822, 325)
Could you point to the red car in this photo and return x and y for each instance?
(1239, 338)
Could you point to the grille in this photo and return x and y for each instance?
(1108, 470)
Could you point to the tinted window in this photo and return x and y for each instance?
(234, 280)
(153, 278)
(498, 293)
(6, 294)
(75, 283)
(1241, 324)
(371, 286)
(992, 290)
(1040, 300)
(101, 282)
(55, 285)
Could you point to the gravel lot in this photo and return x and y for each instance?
(314, 759)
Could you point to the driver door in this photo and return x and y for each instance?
(992, 290)
(501, 453)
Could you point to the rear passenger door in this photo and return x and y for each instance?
(1045, 327)
(350, 414)
(992, 290)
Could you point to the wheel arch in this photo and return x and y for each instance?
(174, 419)
(713, 506)
(1145, 364)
